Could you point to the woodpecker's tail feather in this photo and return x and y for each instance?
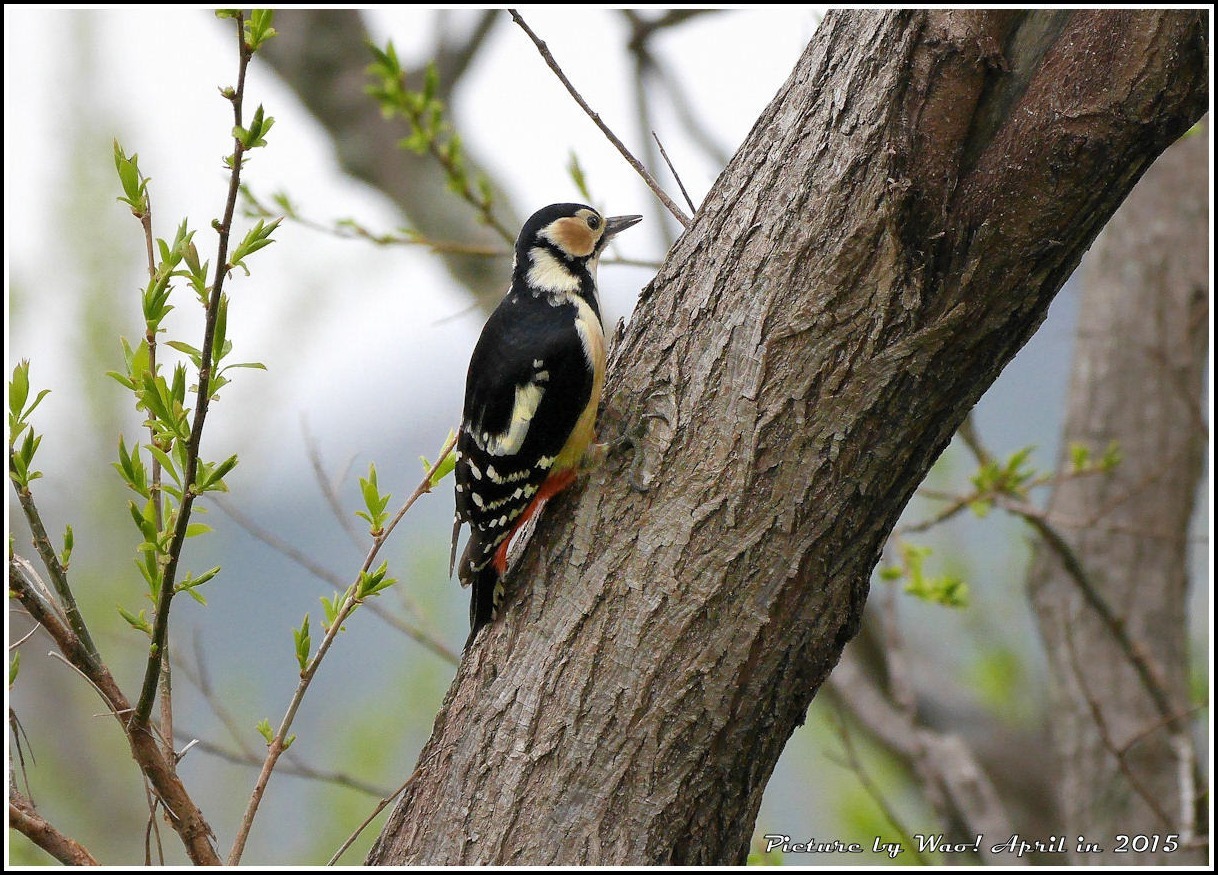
(483, 600)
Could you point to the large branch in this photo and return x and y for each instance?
(1124, 744)
(887, 238)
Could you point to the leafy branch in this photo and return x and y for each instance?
(430, 133)
(162, 510)
(165, 402)
(368, 582)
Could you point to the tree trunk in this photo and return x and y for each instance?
(1125, 757)
(889, 235)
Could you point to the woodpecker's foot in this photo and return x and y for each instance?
(594, 457)
(629, 442)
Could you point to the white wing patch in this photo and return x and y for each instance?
(550, 274)
(524, 408)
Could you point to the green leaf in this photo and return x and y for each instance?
(256, 238)
(133, 182)
(19, 388)
(139, 622)
(576, 172)
(374, 502)
(167, 463)
(211, 478)
(948, 591)
(195, 356)
(1080, 457)
(303, 643)
(14, 666)
(264, 729)
(330, 607)
(373, 582)
(144, 523)
(195, 529)
(65, 558)
(258, 28)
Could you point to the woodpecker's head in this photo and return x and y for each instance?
(559, 246)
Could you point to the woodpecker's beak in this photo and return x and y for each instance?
(615, 225)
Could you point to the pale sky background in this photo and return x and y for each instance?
(369, 345)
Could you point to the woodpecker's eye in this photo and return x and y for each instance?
(594, 222)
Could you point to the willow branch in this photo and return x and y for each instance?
(160, 628)
(58, 574)
(280, 742)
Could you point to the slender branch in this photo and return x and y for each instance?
(327, 488)
(870, 787)
(630, 159)
(416, 633)
(1101, 725)
(27, 821)
(154, 488)
(280, 741)
(154, 491)
(371, 817)
(160, 628)
(675, 175)
(1073, 567)
(59, 574)
(291, 766)
(185, 816)
(152, 829)
(349, 229)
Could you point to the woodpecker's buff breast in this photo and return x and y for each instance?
(532, 392)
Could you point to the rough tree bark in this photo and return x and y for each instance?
(1124, 751)
(888, 236)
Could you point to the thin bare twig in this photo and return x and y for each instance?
(290, 766)
(1101, 725)
(371, 817)
(152, 829)
(327, 487)
(869, 786)
(280, 741)
(675, 175)
(630, 159)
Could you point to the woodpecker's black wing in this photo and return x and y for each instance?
(529, 381)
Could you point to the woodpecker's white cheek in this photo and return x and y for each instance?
(524, 409)
(549, 274)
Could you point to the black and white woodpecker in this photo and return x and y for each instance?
(532, 392)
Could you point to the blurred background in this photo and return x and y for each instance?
(366, 348)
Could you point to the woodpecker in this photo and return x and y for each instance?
(531, 394)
